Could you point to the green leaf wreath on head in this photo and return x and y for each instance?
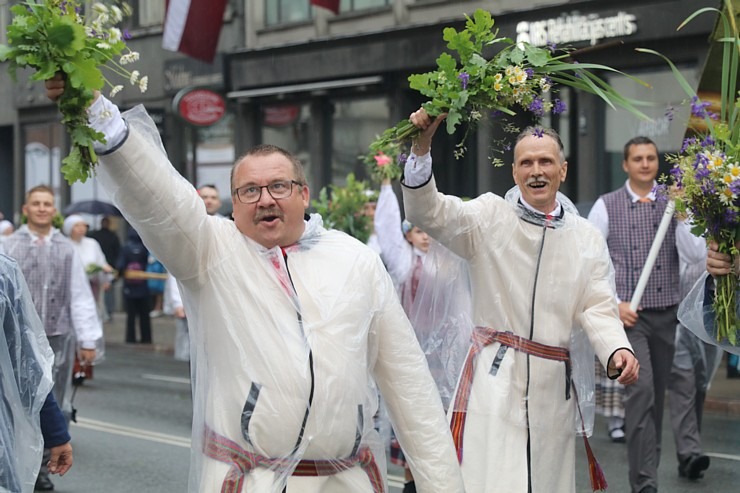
(52, 36)
(706, 171)
(344, 209)
(519, 77)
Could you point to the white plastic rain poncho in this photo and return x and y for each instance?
(25, 381)
(287, 344)
(697, 314)
(63, 299)
(533, 281)
(435, 294)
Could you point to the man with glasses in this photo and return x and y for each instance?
(292, 326)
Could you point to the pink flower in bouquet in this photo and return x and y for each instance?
(382, 159)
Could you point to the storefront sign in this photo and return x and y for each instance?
(200, 107)
(188, 72)
(574, 28)
(280, 116)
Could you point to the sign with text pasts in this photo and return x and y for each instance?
(201, 107)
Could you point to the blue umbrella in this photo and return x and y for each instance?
(94, 207)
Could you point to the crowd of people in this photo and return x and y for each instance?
(463, 321)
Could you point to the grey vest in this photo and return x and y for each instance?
(48, 272)
(632, 228)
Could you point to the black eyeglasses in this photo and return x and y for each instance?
(249, 194)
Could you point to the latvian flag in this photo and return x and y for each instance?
(192, 27)
(332, 5)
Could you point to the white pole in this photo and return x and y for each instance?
(652, 255)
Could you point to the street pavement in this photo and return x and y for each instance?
(134, 428)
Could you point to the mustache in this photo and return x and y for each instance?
(268, 212)
(537, 180)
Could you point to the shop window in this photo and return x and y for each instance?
(668, 117)
(214, 156)
(356, 124)
(286, 11)
(146, 14)
(287, 126)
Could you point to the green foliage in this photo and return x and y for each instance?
(468, 86)
(51, 37)
(57, 220)
(344, 209)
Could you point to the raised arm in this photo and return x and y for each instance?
(396, 252)
(445, 218)
(134, 170)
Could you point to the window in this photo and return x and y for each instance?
(150, 13)
(356, 124)
(351, 5)
(43, 147)
(286, 11)
(288, 126)
(666, 132)
(146, 13)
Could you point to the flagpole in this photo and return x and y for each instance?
(652, 255)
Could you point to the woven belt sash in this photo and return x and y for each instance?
(482, 337)
(242, 462)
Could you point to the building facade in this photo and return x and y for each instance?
(323, 86)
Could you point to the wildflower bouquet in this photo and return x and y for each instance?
(345, 210)
(519, 77)
(706, 171)
(52, 36)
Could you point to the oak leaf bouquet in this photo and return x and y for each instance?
(469, 87)
(52, 36)
(345, 209)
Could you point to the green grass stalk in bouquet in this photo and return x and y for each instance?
(706, 171)
(519, 77)
(342, 208)
(53, 36)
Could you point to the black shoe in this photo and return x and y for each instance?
(649, 489)
(409, 487)
(43, 483)
(693, 467)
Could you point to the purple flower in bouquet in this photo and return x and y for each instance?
(539, 132)
(686, 143)
(559, 107)
(661, 192)
(537, 107)
(552, 46)
(464, 78)
(708, 141)
(699, 108)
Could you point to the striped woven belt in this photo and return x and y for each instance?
(482, 337)
(242, 462)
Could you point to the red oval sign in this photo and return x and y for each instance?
(280, 116)
(201, 107)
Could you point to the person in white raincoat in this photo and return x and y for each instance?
(537, 271)
(429, 280)
(30, 418)
(291, 326)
